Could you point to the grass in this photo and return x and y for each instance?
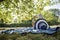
(30, 36)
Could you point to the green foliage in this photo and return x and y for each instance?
(59, 20)
(15, 11)
(22, 9)
(11, 8)
(50, 17)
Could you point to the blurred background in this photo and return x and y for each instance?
(14, 13)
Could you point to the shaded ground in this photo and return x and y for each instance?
(15, 25)
(29, 36)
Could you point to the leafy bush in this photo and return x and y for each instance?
(50, 17)
(59, 20)
(15, 11)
